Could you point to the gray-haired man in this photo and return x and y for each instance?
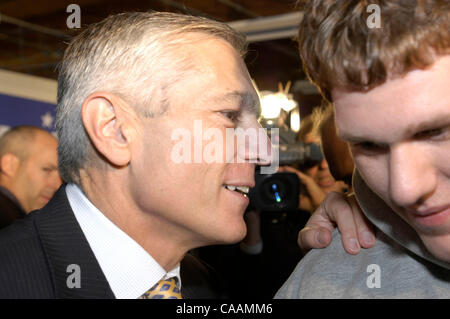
(129, 212)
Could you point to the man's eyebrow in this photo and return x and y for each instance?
(430, 124)
(245, 100)
(353, 139)
(415, 128)
(51, 166)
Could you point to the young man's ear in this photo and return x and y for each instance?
(9, 164)
(104, 122)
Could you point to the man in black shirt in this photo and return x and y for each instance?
(28, 171)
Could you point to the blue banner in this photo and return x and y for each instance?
(21, 111)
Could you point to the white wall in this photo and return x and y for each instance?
(28, 86)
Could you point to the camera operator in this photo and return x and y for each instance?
(315, 177)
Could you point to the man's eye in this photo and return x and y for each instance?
(368, 147)
(232, 115)
(433, 134)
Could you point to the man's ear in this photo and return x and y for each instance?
(104, 122)
(9, 164)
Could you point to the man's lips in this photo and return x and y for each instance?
(326, 182)
(239, 194)
(240, 189)
(248, 182)
(431, 217)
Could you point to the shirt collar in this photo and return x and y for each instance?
(129, 269)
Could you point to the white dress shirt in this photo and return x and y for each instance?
(129, 269)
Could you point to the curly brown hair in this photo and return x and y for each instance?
(339, 49)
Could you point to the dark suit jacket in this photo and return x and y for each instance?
(35, 253)
(9, 209)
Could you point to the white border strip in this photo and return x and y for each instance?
(28, 86)
(268, 24)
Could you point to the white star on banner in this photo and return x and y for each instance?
(47, 120)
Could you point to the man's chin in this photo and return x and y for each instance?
(438, 246)
(230, 235)
(40, 203)
(233, 238)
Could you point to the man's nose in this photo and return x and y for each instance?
(258, 148)
(412, 176)
(324, 164)
(55, 181)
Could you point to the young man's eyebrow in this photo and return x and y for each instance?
(429, 124)
(411, 130)
(355, 139)
(351, 139)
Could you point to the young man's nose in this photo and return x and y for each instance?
(412, 177)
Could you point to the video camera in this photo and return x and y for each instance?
(279, 192)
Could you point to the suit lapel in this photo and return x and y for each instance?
(68, 252)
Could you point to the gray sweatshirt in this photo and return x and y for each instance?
(398, 266)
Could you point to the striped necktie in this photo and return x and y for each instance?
(164, 289)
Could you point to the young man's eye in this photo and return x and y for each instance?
(438, 133)
(368, 147)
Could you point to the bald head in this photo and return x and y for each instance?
(18, 140)
(28, 165)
